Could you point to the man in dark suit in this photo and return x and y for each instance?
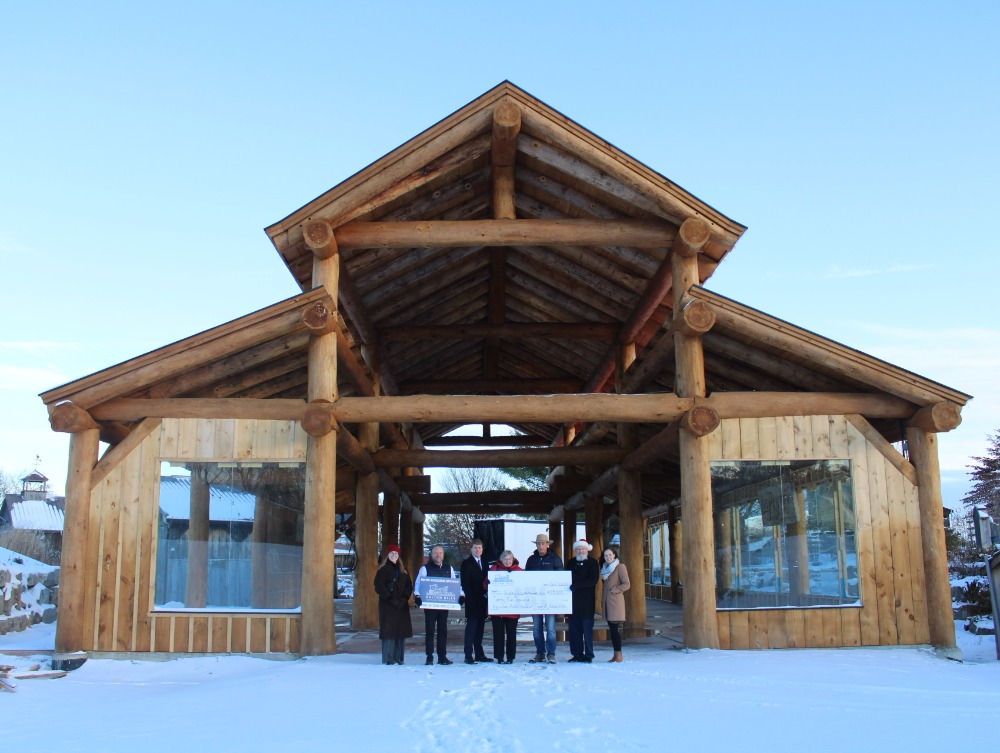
(473, 575)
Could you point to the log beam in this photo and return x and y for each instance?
(466, 440)
(939, 417)
(506, 331)
(70, 418)
(390, 458)
(477, 386)
(643, 408)
(505, 232)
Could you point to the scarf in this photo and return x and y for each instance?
(607, 569)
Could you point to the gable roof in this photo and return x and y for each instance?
(516, 319)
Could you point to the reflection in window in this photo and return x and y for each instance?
(658, 546)
(784, 533)
(230, 535)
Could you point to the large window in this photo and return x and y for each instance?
(784, 533)
(230, 535)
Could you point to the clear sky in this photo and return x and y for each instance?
(144, 146)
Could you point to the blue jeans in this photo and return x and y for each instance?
(581, 637)
(544, 644)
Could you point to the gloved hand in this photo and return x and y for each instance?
(461, 601)
(417, 600)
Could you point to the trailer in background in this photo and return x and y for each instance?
(518, 535)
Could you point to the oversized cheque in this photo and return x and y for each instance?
(530, 592)
(440, 593)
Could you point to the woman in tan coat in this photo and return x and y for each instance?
(615, 578)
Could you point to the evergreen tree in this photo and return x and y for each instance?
(530, 479)
(985, 473)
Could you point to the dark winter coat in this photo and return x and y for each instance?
(584, 586)
(393, 587)
(499, 567)
(550, 561)
(474, 587)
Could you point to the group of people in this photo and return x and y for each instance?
(394, 587)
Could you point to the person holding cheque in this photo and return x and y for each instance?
(505, 625)
(435, 620)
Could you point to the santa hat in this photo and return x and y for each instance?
(583, 543)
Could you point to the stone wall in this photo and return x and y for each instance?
(27, 597)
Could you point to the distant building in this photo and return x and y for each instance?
(34, 510)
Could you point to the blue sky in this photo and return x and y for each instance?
(144, 146)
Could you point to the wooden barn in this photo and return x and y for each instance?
(508, 267)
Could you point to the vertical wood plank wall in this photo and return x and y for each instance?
(124, 513)
(889, 549)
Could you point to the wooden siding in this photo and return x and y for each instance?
(889, 550)
(121, 568)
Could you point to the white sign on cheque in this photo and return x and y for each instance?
(530, 592)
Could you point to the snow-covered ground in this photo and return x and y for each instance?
(820, 700)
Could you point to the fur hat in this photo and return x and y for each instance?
(542, 538)
(582, 543)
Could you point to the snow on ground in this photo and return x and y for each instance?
(821, 700)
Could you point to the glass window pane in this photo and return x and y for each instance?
(230, 535)
(784, 532)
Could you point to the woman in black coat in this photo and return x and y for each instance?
(393, 585)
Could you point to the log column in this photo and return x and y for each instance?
(555, 535)
(569, 535)
(390, 518)
(364, 615)
(593, 511)
(196, 592)
(417, 558)
(631, 525)
(406, 543)
(924, 455)
(318, 633)
(258, 553)
(70, 630)
(701, 629)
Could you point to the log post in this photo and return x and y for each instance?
(406, 543)
(70, 630)
(390, 518)
(364, 615)
(569, 535)
(555, 536)
(632, 532)
(196, 585)
(924, 455)
(701, 629)
(593, 515)
(798, 551)
(417, 559)
(258, 553)
(318, 632)
(503, 155)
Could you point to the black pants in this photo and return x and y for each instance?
(474, 629)
(614, 629)
(436, 623)
(504, 633)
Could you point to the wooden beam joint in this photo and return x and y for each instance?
(70, 418)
